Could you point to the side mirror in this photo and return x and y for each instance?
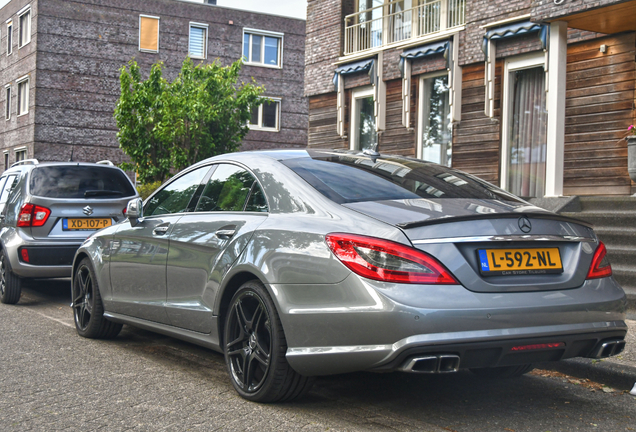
(135, 211)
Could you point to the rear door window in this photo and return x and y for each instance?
(228, 190)
(76, 181)
(8, 183)
(176, 196)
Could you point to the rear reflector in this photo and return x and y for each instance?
(538, 346)
(24, 254)
(388, 261)
(600, 266)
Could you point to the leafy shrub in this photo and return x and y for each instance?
(145, 190)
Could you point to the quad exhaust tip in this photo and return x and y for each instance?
(608, 349)
(442, 363)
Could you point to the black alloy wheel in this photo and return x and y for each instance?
(255, 348)
(10, 284)
(88, 309)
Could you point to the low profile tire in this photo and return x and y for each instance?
(503, 372)
(255, 348)
(10, 284)
(88, 309)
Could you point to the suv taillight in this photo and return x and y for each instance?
(388, 261)
(33, 215)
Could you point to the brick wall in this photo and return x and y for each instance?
(81, 44)
(546, 9)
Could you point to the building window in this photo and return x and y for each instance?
(6, 160)
(9, 37)
(148, 33)
(7, 105)
(24, 36)
(263, 48)
(363, 121)
(20, 154)
(198, 40)
(434, 136)
(525, 120)
(23, 96)
(266, 116)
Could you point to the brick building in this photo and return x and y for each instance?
(60, 60)
(535, 96)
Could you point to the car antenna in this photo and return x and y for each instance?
(72, 150)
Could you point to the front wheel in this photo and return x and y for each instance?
(10, 284)
(255, 348)
(88, 309)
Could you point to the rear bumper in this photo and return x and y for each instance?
(45, 261)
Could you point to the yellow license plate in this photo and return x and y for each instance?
(71, 224)
(531, 261)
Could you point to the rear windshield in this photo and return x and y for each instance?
(353, 178)
(92, 182)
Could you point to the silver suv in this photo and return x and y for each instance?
(46, 212)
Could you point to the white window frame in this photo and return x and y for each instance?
(256, 32)
(25, 10)
(20, 150)
(7, 106)
(158, 34)
(420, 106)
(9, 37)
(513, 64)
(204, 27)
(7, 164)
(358, 93)
(19, 81)
(260, 116)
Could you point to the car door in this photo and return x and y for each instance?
(139, 250)
(205, 243)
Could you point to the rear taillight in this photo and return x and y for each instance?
(124, 211)
(387, 261)
(33, 215)
(600, 266)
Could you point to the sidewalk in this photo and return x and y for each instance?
(618, 372)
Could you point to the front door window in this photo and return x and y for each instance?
(435, 120)
(527, 133)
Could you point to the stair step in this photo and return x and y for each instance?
(608, 203)
(618, 218)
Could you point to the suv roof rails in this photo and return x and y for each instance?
(105, 162)
(25, 162)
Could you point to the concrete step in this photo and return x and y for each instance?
(608, 203)
(625, 275)
(617, 237)
(600, 218)
(622, 255)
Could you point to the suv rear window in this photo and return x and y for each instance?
(350, 178)
(93, 182)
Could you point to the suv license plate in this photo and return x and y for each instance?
(506, 262)
(84, 224)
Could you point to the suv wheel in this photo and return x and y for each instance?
(10, 284)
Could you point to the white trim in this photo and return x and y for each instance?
(22, 78)
(259, 126)
(7, 102)
(19, 81)
(204, 27)
(505, 21)
(158, 33)
(358, 93)
(420, 106)
(247, 61)
(27, 10)
(17, 149)
(9, 32)
(512, 64)
(24, 10)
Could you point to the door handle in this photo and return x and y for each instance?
(225, 233)
(160, 230)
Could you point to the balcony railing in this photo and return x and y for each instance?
(388, 24)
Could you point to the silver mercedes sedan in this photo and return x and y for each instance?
(303, 263)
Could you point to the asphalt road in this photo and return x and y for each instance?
(51, 379)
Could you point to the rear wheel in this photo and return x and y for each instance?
(88, 309)
(255, 348)
(503, 372)
(10, 284)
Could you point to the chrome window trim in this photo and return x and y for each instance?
(507, 238)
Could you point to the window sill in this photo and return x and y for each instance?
(197, 57)
(23, 45)
(149, 51)
(262, 65)
(23, 114)
(262, 129)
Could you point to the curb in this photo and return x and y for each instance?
(615, 375)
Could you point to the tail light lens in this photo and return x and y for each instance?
(600, 266)
(388, 261)
(33, 215)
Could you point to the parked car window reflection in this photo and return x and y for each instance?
(6, 188)
(175, 197)
(257, 202)
(226, 190)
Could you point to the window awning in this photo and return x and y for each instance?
(516, 29)
(423, 51)
(351, 68)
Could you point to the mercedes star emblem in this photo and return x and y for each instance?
(525, 225)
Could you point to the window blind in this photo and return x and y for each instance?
(149, 33)
(197, 42)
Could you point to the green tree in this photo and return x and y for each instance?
(165, 127)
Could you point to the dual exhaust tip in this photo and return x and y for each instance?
(608, 349)
(442, 363)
